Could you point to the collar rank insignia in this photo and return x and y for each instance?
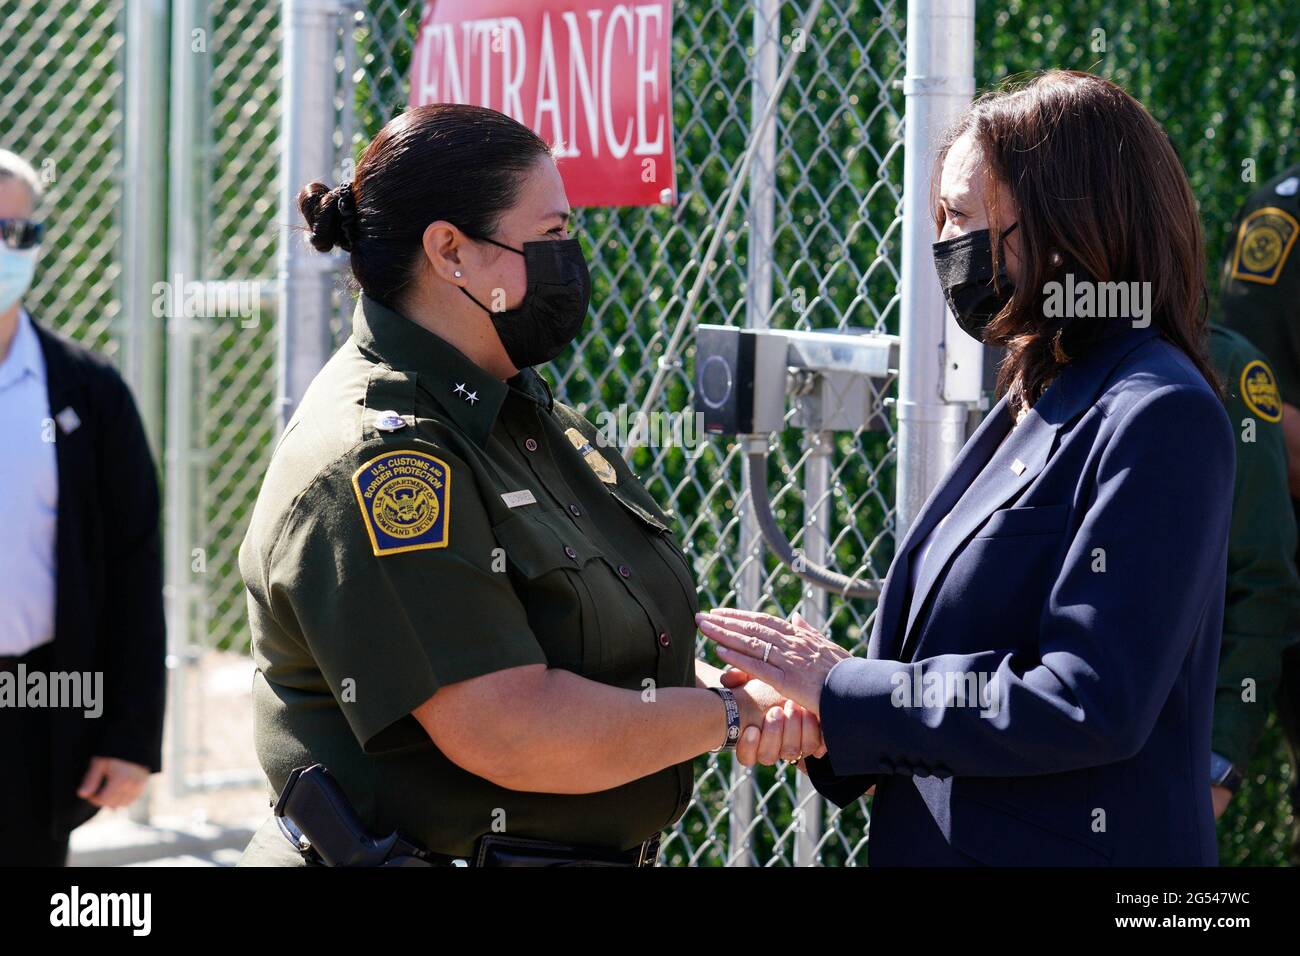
(405, 499)
(594, 459)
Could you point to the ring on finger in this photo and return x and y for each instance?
(767, 651)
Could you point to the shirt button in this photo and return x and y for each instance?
(575, 511)
(531, 444)
(664, 639)
(624, 571)
(570, 552)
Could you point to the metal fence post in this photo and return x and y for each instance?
(307, 122)
(143, 206)
(143, 224)
(814, 602)
(939, 83)
(758, 303)
(184, 256)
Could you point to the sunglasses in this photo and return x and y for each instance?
(21, 233)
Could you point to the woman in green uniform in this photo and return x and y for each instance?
(475, 618)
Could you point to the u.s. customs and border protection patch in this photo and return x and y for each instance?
(1259, 391)
(405, 499)
(1264, 240)
(594, 459)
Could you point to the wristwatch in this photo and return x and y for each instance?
(1223, 773)
(733, 719)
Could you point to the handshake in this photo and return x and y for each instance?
(778, 670)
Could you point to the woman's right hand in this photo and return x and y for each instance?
(773, 727)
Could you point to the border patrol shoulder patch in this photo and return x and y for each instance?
(1264, 240)
(405, 499)
(1259, 391)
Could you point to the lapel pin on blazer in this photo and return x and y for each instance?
(1018, 467)
(68, 420)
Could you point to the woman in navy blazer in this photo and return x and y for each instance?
(1038, 685)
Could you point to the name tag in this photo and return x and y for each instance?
(517, 499)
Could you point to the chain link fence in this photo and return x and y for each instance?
(815, 244)
(60, 108)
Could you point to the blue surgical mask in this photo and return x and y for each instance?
(17, 266)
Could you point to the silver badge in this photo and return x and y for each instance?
(465, 393)
(390, 422)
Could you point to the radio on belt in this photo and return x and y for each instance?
(835, 378)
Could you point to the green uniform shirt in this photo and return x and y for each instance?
(1262, 606)
(422, 523)
(1261, 278)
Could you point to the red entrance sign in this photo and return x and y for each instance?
(591, 76)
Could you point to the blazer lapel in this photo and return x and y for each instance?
(965, 468)
(65, 389)
(1009, 469)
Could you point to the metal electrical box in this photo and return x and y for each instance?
(743, 378)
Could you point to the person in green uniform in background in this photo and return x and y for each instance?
(1262, 605)
(1260, 299)
(474, 617)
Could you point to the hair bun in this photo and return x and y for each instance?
(330, 215)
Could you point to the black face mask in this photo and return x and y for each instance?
(965, 267)
(555, 302)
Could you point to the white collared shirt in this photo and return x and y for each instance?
(29, 492)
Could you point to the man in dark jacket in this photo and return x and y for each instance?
(81, 622)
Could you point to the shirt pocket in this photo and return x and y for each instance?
(1022, 522)
(583, 617)
(666, 545)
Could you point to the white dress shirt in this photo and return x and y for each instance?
(29, 492)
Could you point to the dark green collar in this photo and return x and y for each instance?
(471, 396)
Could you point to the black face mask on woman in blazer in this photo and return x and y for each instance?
(974, 292)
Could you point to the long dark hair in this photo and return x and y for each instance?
(464, 164)
(1099, 192)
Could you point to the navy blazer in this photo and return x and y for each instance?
(1081, 576)
(108, 608)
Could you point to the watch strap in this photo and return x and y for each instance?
(733, 719)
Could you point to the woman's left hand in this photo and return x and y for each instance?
(798, 656)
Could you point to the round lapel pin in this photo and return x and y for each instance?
(390, 422)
